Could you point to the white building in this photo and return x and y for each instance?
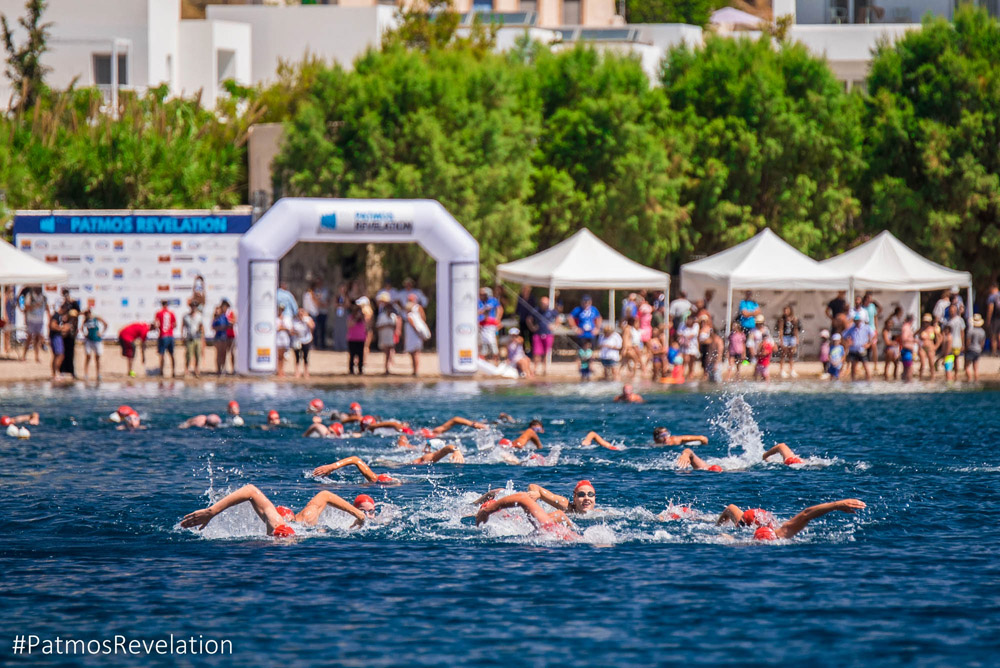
(138, 43)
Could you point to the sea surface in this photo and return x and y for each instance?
(91, 547)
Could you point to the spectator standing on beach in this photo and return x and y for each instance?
(357, 339)
(93, 343)
(285, 299)
(956, 334)
(127, 338)
(610, 351)
(860, 337)
(586, 320)
(992, 319)
(836, 357)
(223, 320)
(679, 310)
(342, 305)
(644, 319)
(283, 338)
(874, 310)
(57, 328)
(166, 322)
(387, 327)
(193, 332)
(836, 311)
(516, 356)
(907, 347)
(789, 328)
(974, 347)
(313, 303)
(586, 357)
(737, 350)
(415, 331)
(748, 309)
(198, 291)
(859, 310)
(490, 315)
(940, 310)
(540, 322)
(303, 327)
(71, 317)
(36, 315)
(410, 288)
(824, 353)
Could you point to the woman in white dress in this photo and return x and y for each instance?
(415, 331)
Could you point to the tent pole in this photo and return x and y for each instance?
(850, 293)
(729, 307)
(611, 306)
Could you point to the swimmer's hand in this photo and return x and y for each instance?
(321, 471)
(200, 519)
(534, 492)
(478, 425)
(849, 505)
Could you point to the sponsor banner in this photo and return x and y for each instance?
(464, 325)
(263, 314)
(397, 220)
(132, 262)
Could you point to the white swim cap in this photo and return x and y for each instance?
(115, 417)
(237, 421)
(23, 433)
(436, 443)
(12, 430)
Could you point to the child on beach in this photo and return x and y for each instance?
(836, 362)
(737, 350)
(824, 353)
(586, 353)
(764, 352)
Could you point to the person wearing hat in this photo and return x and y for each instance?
(490, 315)
(974, 341)
(836, 357)
(860, 337)
(388, 327)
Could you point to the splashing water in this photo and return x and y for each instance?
(740, 430)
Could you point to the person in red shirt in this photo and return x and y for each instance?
(166, 322)
(126, 339)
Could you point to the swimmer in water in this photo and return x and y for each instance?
(431, 457)
(529, 435)
(628, 396)
(688, 459)
(209, 421)
(273, 420)
(786, 453)
(555, 522)
(584, 498)
(354, 460)
(662, 436)
(277, 517)
(450, 424)
(233, 409)
(315, 407)
(594, 437)
(30, 418)
(335, 430)
(128, 417)
(764, 521)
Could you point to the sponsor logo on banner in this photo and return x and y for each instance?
(124, 302)
(176, 273)
(102, 244)
(194, 245)
(41, 244)
(52, 258)
(182, 258)
(163, 288)
(177, 245)
(119, 273)
(263, 328)
(26, 244)
(88, 288)
(465, 357)
(89, 258)
(329, 221)
(47, 225)
(263, 355)
(119, 245)
(164, 258)
(101, 273)
(70, 258)
(464, 330)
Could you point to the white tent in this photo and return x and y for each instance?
(583, 262)
(777, 273)
(887, 265)
(18, 268)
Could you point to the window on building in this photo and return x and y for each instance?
(225, 60)
(571, 13)
(170, 68)
(102, 69)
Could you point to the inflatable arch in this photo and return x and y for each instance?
(424, 222)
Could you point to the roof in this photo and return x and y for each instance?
(886, 263)
(765, 262)
(582, 262)
(19, 268)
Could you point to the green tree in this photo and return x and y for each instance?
(933, 119)
(692, 12)
(24, 63)
(776, 143)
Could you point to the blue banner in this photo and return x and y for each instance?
(132, 224)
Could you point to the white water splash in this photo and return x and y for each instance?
(743, 436)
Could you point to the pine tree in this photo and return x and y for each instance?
(24, 63)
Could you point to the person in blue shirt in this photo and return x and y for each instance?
(860, 337)
(490, 314)
(585, 319)
(748, 311)
(836, 357)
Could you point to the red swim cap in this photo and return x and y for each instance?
(363, 498)
(764, 533)
(272, 415)
(316, 405)
(285, 512)
(407, 431)
(792, 460)
(584, 483)
(283, 531)
(426, 433)
(384, 477)
(754, 516)
(716, 468)
(5, 421)
(355, 407)
(124, 410)
(505, 443)
(337, 428)
(679, 512)
(233, 404)
(367, 420)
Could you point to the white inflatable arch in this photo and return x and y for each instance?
(424, 222)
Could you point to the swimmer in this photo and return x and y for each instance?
(276, 518)
(450, 424)
(273, 419)
(372, 425)
(335, 430)
(628, 396)
(315, 407)
(688, 459)
(765, 521)
(594, 437)
(504, 417)
(439, 454)
(354, 460)
(786, 453)
(584, 498)
(233, 409)
(529, 435)
(555, 522)
(662, 436)
(128, 417)
(29, 418)
(209, 421)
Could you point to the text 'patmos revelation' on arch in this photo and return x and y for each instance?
(356, 221)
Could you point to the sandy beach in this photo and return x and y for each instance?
(328, 367)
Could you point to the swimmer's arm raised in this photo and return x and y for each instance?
(687, 438)
(522, 499)
(261, 505)
(310, 514)
(732, 514)
(353, 460)
(595, 437)
(554, 500)
(781, 448)
(528, 436)
(488, 496)
(799, 522)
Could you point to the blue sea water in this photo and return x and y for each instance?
(90, 545)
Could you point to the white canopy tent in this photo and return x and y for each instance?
(776, 272)
(18, 268)
(888, 265)
(583, 262)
